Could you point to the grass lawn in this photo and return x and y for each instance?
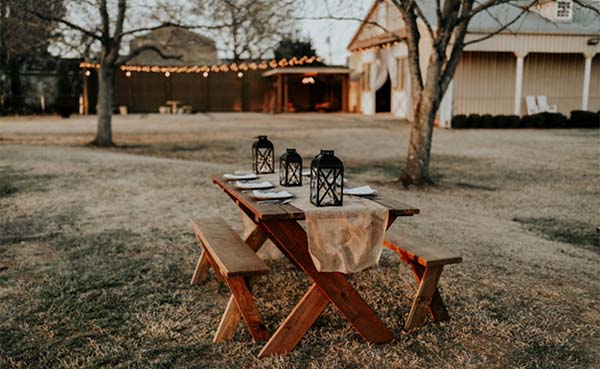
(96, 247)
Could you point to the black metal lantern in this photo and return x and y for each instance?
(326, 180)
(290, 168)
(263, 156)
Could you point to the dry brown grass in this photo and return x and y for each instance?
(96, 249)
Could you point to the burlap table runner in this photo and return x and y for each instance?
(344, 239)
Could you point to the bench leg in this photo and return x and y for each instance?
(437, 308)
(423, 298)
(247, 308)
(303, 316)
(229, 322)
(201, 271)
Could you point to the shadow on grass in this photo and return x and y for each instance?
(13, 181)
(567, 231)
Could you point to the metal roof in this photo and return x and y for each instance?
(584, 22)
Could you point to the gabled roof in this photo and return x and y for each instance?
(585, 21)
(363, 24)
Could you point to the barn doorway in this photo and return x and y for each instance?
(383, 97)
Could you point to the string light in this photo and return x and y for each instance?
(240, 74)
(88, 73)
(128, 74)
(308, 80)
(204, 69)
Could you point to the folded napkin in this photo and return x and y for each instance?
(253, 185)
(360, 191)
(240, 176)
(271, 194)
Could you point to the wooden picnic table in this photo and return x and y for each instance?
(279, 223)
(173, 104)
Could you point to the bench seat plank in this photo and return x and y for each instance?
(229, 251)
(419, 250)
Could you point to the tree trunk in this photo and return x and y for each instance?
(419, 148)
(104, 106)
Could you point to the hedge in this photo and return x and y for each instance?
(584, 119)
(578, 119)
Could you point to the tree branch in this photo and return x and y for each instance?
(171, 24)
(499, 30)
(143, 48)
(50, 18)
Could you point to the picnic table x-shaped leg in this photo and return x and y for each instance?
(327, 288)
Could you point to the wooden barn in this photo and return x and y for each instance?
(552, 51)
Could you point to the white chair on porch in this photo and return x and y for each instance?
(532, 107)
(542, 102)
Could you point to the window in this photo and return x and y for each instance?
(401, 74)
(564, 9)
(366, 77)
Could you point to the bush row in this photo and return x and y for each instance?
(578, 119)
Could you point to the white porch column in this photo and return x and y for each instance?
(586, 82)
(446, 107)
(519, 82)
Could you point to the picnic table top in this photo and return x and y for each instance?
(270, 212)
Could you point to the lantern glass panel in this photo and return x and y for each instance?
(263, 156)
(290, 168)
(326, 180)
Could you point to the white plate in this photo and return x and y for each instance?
(271, 195)
(239, 176)
(360, 191)
(253, 185)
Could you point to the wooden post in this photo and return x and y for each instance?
(585, 100)
(285, 94)
(345, 92)
(519, 82)
(278, 95)
(86, 101)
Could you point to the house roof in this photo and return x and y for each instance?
(584, 22)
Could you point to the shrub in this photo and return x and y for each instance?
(500, 121)
(533, 121)
(554, 120)
(584, 119)
(473, 121)
(487, 121)
(514, 121)
(459, 121)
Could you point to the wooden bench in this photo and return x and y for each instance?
(233, 262)
(427, 262)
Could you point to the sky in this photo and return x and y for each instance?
(338, 32)
(330, 37)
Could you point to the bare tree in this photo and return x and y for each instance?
(249, 28)
(445, 34)
(22, 34)
(100, 26)
(447, 41)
